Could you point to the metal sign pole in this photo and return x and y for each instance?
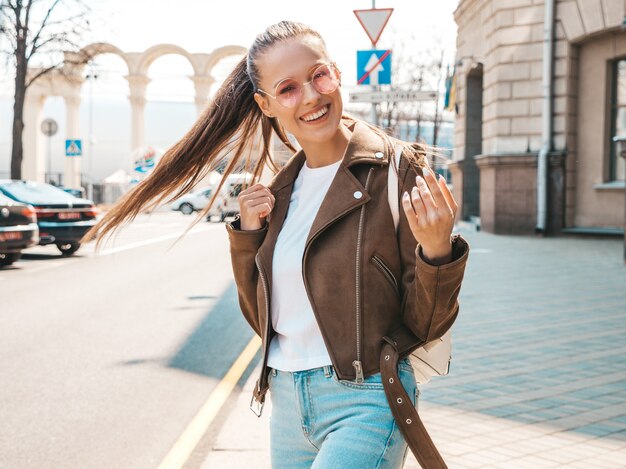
(49, 159)
(374, 110)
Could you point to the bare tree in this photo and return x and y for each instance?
(38, 32)
(415, 69)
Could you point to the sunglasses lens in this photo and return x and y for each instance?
(325, 79)
(288, 92)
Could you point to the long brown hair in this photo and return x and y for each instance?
(226, 130)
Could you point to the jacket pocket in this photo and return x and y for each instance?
(386, 271)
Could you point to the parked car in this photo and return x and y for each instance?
(230, 190)
(18, 229)
(197, 200)
(225, 205)
(75, 192)
(62, 218)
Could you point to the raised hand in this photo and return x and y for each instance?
(255, 203)
(431, 210)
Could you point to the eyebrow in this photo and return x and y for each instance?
(309, 71)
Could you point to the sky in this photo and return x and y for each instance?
(416, 27)
(202, 25)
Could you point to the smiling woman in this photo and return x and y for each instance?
(300, 248)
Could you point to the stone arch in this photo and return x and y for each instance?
(67, 83)
(99, 48)
(219, 54)
(150, 55)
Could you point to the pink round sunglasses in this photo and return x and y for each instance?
(288, 92)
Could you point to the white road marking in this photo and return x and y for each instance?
(146, 242)
(184, 446)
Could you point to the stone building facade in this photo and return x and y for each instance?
(498, 128)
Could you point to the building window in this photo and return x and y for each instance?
(617, 164)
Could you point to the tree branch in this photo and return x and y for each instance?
(42, 72)
(43, 25)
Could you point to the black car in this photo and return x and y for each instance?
(62, 218)
(18, 229)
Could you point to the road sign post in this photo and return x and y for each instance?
(374, 21)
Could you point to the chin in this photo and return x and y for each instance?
(322, 133)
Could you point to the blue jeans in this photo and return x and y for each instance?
(319, 421)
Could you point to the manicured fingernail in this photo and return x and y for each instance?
(425, 171)
(405, 195)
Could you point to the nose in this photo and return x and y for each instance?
(309, 93)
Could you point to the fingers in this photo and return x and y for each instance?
(425, 194)
(256, 200)
(265, 204)
(448, 195)
(253, 188)
(436, 196)
(260, 191)
(433, 198)
(410, 212)
(418, 203)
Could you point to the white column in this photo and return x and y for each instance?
(202, 85)
(34, 154)
(137, 84)
(71, 176)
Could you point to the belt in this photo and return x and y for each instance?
(404, 412)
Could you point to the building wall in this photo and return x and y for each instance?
(506, 37)
(596, 204)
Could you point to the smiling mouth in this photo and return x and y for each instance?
(316, 115)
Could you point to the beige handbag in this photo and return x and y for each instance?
(433, 358)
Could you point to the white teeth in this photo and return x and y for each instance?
(320, 113)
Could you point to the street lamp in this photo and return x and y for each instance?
(91, 76)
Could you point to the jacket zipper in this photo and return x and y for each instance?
(267, 332)
(386, 271)
(306, 286)
(358, 364)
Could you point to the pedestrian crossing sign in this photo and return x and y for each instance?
(73, 148)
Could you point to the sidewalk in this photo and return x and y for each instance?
(538, 376)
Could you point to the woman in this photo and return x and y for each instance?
(316, 251)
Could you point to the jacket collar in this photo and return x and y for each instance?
(364, 146)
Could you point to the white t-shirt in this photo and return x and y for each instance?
(298, 343)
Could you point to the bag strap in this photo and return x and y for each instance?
(404, 413)
(399, 342)
(392, 187)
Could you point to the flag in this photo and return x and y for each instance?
(450, 100)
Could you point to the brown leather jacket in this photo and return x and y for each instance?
(363, 282)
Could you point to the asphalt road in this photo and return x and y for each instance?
(105, 359)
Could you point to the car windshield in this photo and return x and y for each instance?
(35, 192)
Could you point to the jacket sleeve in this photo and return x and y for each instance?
(244, 245)
(430, 292)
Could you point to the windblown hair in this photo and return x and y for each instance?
(224, 133)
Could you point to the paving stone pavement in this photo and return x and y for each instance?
(538, 375)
